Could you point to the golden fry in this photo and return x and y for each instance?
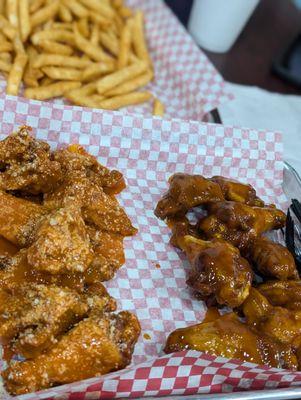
(2, 6)
(100, 20)
(99, 7)
(76, 8)
(47, 92)
(124, 46)
(158, 109)
(62, 74)
(94, 38)
(83, 27)
(8, 30)
(120, 76)
(43, 60)
(94, 52)
(83, 91)
(125, 100)
(5, 66)
(44, 14)
(109, 43)
(56, 48)
(16, 74)
(94, 71)
(7, 57)
(35, 5)
(64, 13)
(53, 34)
(92, 101)
(62, 26)
(25, 25)
(138, 38)
(12, 12)
(46, 81)
(31, 75)
(132, 85)
(125, 12)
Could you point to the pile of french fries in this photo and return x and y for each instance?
(91, 52)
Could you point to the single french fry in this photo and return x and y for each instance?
(91, 101)
(62, 74)
(116, 78)
(99, 7)
(65, 14)
(158, 108)
(138, 37)
(124, 46)
(46, 81)
(54, 90)
(43, 60)
(50, 46)
(94, 37)
(76, 8)
(5, 46)
(8, 30)
(44, 14)
(5, 66)
(132, 85)
(94, 71)
(109, 43)
(125, 100)
(100, 20)
(24, 20)
(125, 12)
(16, 74)
(62, 26)
(31, 75)
(12, 13)
(53, 34)
(94, 52)
(83, 91)
(83, 27)
(18, 45)
(35, 5)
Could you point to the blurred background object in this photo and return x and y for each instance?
(216, 24)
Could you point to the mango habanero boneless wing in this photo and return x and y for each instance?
(227, 336)
(18, 219)
(26, 164)
(282, 293)
(96, 346)
(187, 191)
(218, 271)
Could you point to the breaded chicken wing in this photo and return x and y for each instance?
(26, 164)
(228, 337)
(94, 347)
(218, 271)
(187, 191)
(282, 293)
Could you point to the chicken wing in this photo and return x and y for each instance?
(282, 293)
(228, 337)
(94, 347)
(218, 271)
(19, 219)
(76, 161)
(187, 191)
(97, 207)
(272, 259)
(237, 191)
(26, 164)
(278, 323)
(239, 223)
(61, 243)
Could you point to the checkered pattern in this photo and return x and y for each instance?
(185, 80)
(152, 283)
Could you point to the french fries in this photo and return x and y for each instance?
(92, 52)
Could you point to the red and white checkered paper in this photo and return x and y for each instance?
(148, 151)
(185, 80)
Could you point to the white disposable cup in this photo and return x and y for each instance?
(216, 24)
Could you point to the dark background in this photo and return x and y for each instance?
(269, 32)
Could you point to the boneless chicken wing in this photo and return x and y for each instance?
(96, 346)
(218, 270)
(272, 259)
(187, 191)
(226, 336)
(282, 293)
(27, 165)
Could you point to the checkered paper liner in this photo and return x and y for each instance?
(152, 282)
(185, 80)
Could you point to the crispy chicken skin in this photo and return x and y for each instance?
(282, 293)
(26, 164)
(61, 243)
(96, 346)
(98, 208)
(187, 191)
(273, 260)
(19, 219)
(276, 322)
(218, 271)
(226, 336)
(237, 191)
(239, 223)
(74, 160)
